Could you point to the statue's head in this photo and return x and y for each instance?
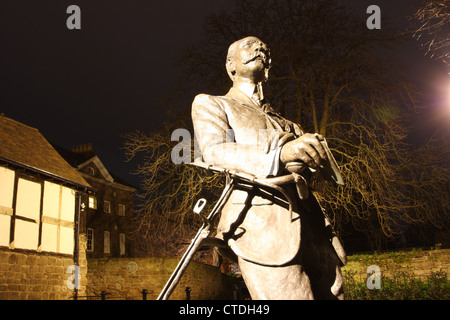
(248, 58)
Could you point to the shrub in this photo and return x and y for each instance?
(402, 286)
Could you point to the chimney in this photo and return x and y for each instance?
(83, 149)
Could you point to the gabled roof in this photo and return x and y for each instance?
(81, 160)
(96, 161)
(25, 146)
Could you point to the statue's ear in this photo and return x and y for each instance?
(231, 69)
(269, 63)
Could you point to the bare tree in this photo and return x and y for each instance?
(169, 192)
(432, 29)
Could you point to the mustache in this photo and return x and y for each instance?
(256, 55)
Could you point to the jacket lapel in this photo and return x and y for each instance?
(274, 120)
(238, 95)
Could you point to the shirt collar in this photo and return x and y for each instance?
(248, 88)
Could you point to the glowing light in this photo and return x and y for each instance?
(442, 95)
(446, 97)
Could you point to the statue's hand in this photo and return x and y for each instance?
(306, 149)
(284, 137)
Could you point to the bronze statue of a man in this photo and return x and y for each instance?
(282, 254)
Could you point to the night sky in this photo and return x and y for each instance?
(94, 84)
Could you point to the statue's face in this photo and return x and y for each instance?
(250, 59)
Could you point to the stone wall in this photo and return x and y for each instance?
(416, 262)
(29, 275)
(32, 275)
(125, 278)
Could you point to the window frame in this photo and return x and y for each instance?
(106, 206)
(106, 242)
(92, 204)
(90, 248)
(122, 209)
(122, 244)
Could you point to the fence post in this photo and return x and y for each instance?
(144, 294)
(188, 293)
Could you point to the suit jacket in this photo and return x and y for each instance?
(234, 132)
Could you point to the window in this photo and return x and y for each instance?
(92, 202)
(121, 209)
(106, 206)
(90, 239)
(122, 244)
(106, 242)
(27, 219)
(91, 171)
(43, 215)
(6, 203)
